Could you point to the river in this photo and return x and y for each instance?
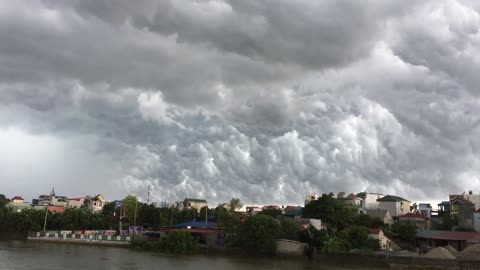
(34, 255)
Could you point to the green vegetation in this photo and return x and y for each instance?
(175, 242)
(258, 234)
(332, 212)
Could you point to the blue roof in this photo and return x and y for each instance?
(196, 224)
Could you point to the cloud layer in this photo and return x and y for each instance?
(267, 101)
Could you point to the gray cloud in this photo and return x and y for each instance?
(266, 101)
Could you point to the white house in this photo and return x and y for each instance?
(474, 198)
(194, 203)
(425, 209)
(395, 205)
(382, 239)
(369, 200)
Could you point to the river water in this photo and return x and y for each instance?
(34, 255)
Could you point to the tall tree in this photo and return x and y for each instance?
(235, 204)
(3, 200)
(130, 203)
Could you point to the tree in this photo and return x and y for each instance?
(3, 200)
(289, 229)
(205, 210)
(258, 234)
(407, 231)
(335, 244)
(368, 221)
(330, 211)
(235, 204)
(271, 212)
(130, 204)
(448, 222)
(357, 236)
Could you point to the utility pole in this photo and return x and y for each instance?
(135, 217)
(206, 216)
(45, 222)
(148, 195)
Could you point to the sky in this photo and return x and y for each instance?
(267, 101)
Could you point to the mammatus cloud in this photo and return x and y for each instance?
(266, 101)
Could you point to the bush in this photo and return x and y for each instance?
(258, 234)
(335, 245)
(175, 242)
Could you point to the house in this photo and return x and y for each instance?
(17, 199)
(395, 205)
(18, 207)
(382, 239)
(75, 202)
(54, 209)
(369, 200)
(476, 220)
(473, 198)
(425, 209)
(463, 209)
(458, 240)
(382, 215)
(350, 200)
(306, 222)
(194, 203)
(51, 199)
(292, 211)
(444, 207)
(97, 203)
(421, 222)
(274, 207)
(253, 210)
(310, 198)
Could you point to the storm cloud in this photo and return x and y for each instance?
(267, 101)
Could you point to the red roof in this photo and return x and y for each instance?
(17, 198)
(412, 215)
(374, 231)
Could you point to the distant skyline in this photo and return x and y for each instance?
(272, 99)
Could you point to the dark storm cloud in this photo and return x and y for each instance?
(262, 100)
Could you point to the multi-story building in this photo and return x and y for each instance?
(194, 203)
(369, 200)
(395, 205)
(350, 200)
(425, 209)
(310, 198)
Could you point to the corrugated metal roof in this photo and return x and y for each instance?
(448, 235)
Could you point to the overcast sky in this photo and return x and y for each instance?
(264, 100)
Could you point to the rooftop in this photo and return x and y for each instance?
(472, 237)
(195, 200)
(412, 215)
(374, 231)
(391, 198)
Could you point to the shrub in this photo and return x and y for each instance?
(175, 242)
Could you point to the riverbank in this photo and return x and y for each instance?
(402, 262)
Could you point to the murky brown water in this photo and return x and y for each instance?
(33, 255)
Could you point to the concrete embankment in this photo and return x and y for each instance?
(80, 241)
(402, 262)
